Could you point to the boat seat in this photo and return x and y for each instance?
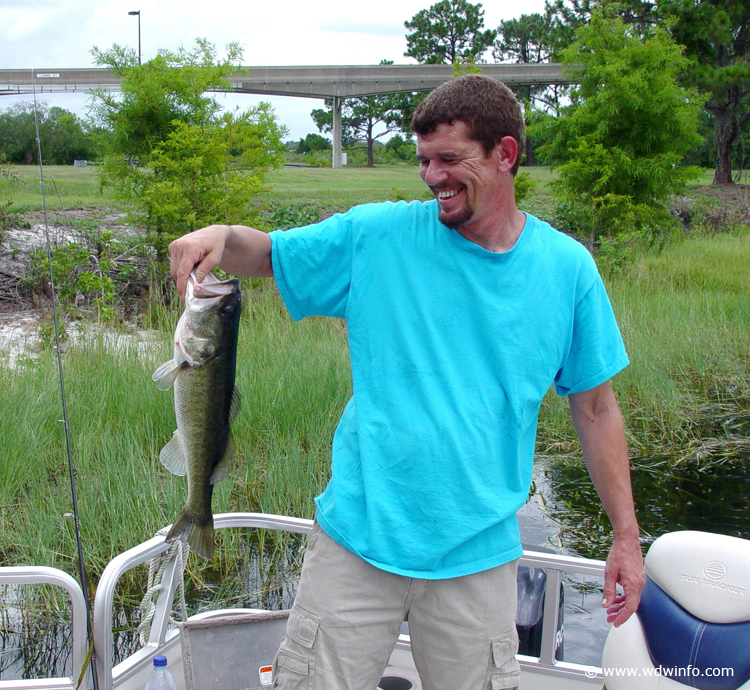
(231, 649)
(692, 628)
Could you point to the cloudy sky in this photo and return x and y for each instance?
(49, 34)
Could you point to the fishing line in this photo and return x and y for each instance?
(64, 420)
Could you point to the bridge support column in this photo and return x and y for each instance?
(336, 162)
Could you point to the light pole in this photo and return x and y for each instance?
(132, 14)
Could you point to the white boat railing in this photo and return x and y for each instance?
(39, 575)
(555, 566)
(162, 638)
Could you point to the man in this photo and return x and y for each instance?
(461, 312)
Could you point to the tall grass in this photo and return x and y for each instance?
(685, 318)
(294, 381)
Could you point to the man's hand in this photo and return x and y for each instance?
(237, 249)
(624, 567)
(201, 251)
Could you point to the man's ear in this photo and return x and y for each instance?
(507, 153)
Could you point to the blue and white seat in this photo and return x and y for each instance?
(692, 628)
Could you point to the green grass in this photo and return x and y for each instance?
(345, 187)
(685, 318)
(327, 189)
(65, 187)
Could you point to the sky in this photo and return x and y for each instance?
(56, 34)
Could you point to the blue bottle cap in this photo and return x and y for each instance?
(160, 660)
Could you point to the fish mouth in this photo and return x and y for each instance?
(210, 291)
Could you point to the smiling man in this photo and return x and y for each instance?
(461, 312)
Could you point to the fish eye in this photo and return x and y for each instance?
(227, 309)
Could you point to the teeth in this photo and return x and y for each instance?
(447, 195)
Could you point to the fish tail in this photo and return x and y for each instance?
(196, 530)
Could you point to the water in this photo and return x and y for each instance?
(34, 633)
(566, 514)
(563, 513)
(585, 622)
(713, 499)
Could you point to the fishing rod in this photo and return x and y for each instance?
(71, 470)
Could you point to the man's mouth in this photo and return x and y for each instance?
(445, 194)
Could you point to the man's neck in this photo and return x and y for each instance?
(498, 234)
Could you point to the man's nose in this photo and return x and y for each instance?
(432, 173)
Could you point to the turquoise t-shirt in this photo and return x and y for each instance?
(452, 348)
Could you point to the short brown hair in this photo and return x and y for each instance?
(489, 108)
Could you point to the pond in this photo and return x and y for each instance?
(563, 513)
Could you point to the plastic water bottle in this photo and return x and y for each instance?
(160, 678)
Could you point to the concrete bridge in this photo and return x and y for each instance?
(334, 82)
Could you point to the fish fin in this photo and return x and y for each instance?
(235, 405)
(196, 531)
(166, 374)
(173, 457)
(224, 466)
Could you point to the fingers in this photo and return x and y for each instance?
(621, 607)
(624, 567)
(619, 612)
(609, 592)
(201, 251)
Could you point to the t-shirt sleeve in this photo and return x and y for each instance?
(312, 267)
(596, 351)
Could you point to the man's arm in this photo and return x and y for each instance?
(237, 249)
(600, 430)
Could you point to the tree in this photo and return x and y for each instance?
(17, 133)
(360, 118)
(63, 136)
(526, 40)
(716, 36)
(173, 153)
(567, 16)
(449, 31)
(403, 149)
(314, 142)
(170, 88)
(622, 140)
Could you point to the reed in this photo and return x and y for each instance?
(685, 319)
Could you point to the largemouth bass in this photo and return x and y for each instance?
(205, 402)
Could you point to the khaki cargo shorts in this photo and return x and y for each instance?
(347, 616)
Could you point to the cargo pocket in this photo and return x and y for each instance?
(506, 672)
(294, 666)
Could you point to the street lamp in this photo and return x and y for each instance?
(132, 14)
